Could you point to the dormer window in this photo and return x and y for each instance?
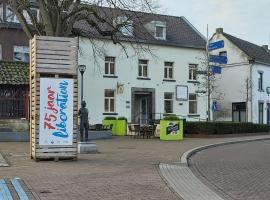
(160, 30)
(125, 25)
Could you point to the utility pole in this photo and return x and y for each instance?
(208, 79)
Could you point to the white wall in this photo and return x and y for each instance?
(260, 95)
(127, 72)
(231, 82)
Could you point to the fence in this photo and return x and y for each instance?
(14, 102)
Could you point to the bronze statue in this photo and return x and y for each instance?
(84, 124)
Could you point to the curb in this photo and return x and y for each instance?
(185, 156)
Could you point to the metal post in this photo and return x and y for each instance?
(208, 80)
(82, 88)
(82, 70)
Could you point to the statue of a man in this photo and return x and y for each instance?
(84, 124)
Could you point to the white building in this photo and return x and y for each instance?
(142, 87)
(244, 83)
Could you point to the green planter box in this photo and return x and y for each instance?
(171, 130)
(121, 127)
(107, 122)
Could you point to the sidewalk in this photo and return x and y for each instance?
(124, 169)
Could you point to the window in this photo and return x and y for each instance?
(168, 102)
(126, 25)
(109, 65)
(21, 53)
(1, 12)
(192, 72)
(160, 30)
(261, 112)
(260, 81)
(143, 68)
(223, 53)
(239, 112)
(109, 103)
(168, 70)
(192, 104)
(10, 16)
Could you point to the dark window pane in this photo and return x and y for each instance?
(112, 68)
(106, 68)
(109, 93)
(106, 105)
(170, 73)
(159, 31)
(145, 71)
(143, 62)
(168, 95)
(111, 105)
(140, 70)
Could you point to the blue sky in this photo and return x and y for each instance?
(246, 19)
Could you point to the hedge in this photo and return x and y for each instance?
(211, 128)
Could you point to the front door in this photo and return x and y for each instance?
(268, 113)
(144, 110)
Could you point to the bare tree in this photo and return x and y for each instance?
(247, 94)
(208, 82)
(58, 17)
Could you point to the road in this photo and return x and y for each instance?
(237, 171)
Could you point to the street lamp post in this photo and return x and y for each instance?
(82, 70)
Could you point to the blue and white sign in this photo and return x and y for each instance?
(218, 59)
(214, 106)
(216, 69)
(56, 111)
(216, 45)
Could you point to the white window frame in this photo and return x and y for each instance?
(167, 67)
(192, 71)
(169, 100)
(160, 25)
(196, 103)
(109, 99)
(141, 67)
(21, 50)
(109, 64)
(0, 51)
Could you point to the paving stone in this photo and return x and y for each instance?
(237, 171)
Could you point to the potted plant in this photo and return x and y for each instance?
(171, 128)
(107, 121)
(121, 126)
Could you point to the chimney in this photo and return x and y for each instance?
(265, 47)
(219, 30)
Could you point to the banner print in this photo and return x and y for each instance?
(56, 111)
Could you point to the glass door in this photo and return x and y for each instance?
(144, 110)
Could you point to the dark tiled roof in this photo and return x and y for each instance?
(255, 52)
(14, 73)
(180, 32)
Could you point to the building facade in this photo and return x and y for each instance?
(146, 83)
(14, 58)
(243, 88)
